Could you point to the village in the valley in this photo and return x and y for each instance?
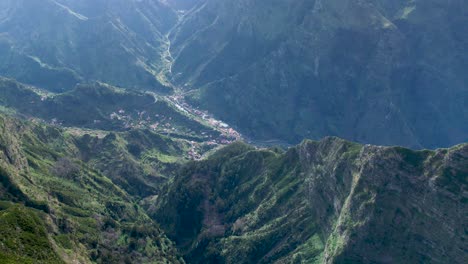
(164, 125)
(218, 133)
(228, 134)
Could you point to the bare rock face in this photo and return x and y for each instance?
(321, 202)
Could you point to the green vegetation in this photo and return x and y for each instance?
(23, 237)
(61, 44)
(80, 212)
(368, 74)
(320, 202)
(103, 107)
(361, 70)
(100, 172)
(110, 197)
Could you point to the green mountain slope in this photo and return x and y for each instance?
(374, 71)
(66, 204)
(112, 112)
(100, 106)
(24, 237)
(56, 43)
(320, 202)
(97, 197)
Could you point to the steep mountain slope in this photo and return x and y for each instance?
(68, 196)
(66, 204)
(139, 161)
(94, 152)
(56, 43)
(29, 243)
(321, 202)
(373, 71)
(100, 106)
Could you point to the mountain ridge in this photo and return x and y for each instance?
(116, 42)
(330, 201)
(373, 71)
(68, 209)
(122, 125)
(362, 70)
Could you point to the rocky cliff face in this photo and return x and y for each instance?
(321, 202)
(378, 72)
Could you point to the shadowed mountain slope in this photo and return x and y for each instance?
(373, 71)
(56, 43)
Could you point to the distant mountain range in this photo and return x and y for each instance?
(122, 125)
(375, 71)
(57, 43)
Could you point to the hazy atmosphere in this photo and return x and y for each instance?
(233, 131)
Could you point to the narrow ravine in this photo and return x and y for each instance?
(177, 99)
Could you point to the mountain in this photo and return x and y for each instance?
(373, 71)
(100, 106)
(55, 44)
(69, 195)
(122, 121)
(330, 201)
(62, 203)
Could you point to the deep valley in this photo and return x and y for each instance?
(233, 131)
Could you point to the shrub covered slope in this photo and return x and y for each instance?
(66, 203)
(320, 202)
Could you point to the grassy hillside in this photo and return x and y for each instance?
(100, 106)
(55, 44)
(97, 197)
(24, 236)
(320, 202)
(71, 206)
